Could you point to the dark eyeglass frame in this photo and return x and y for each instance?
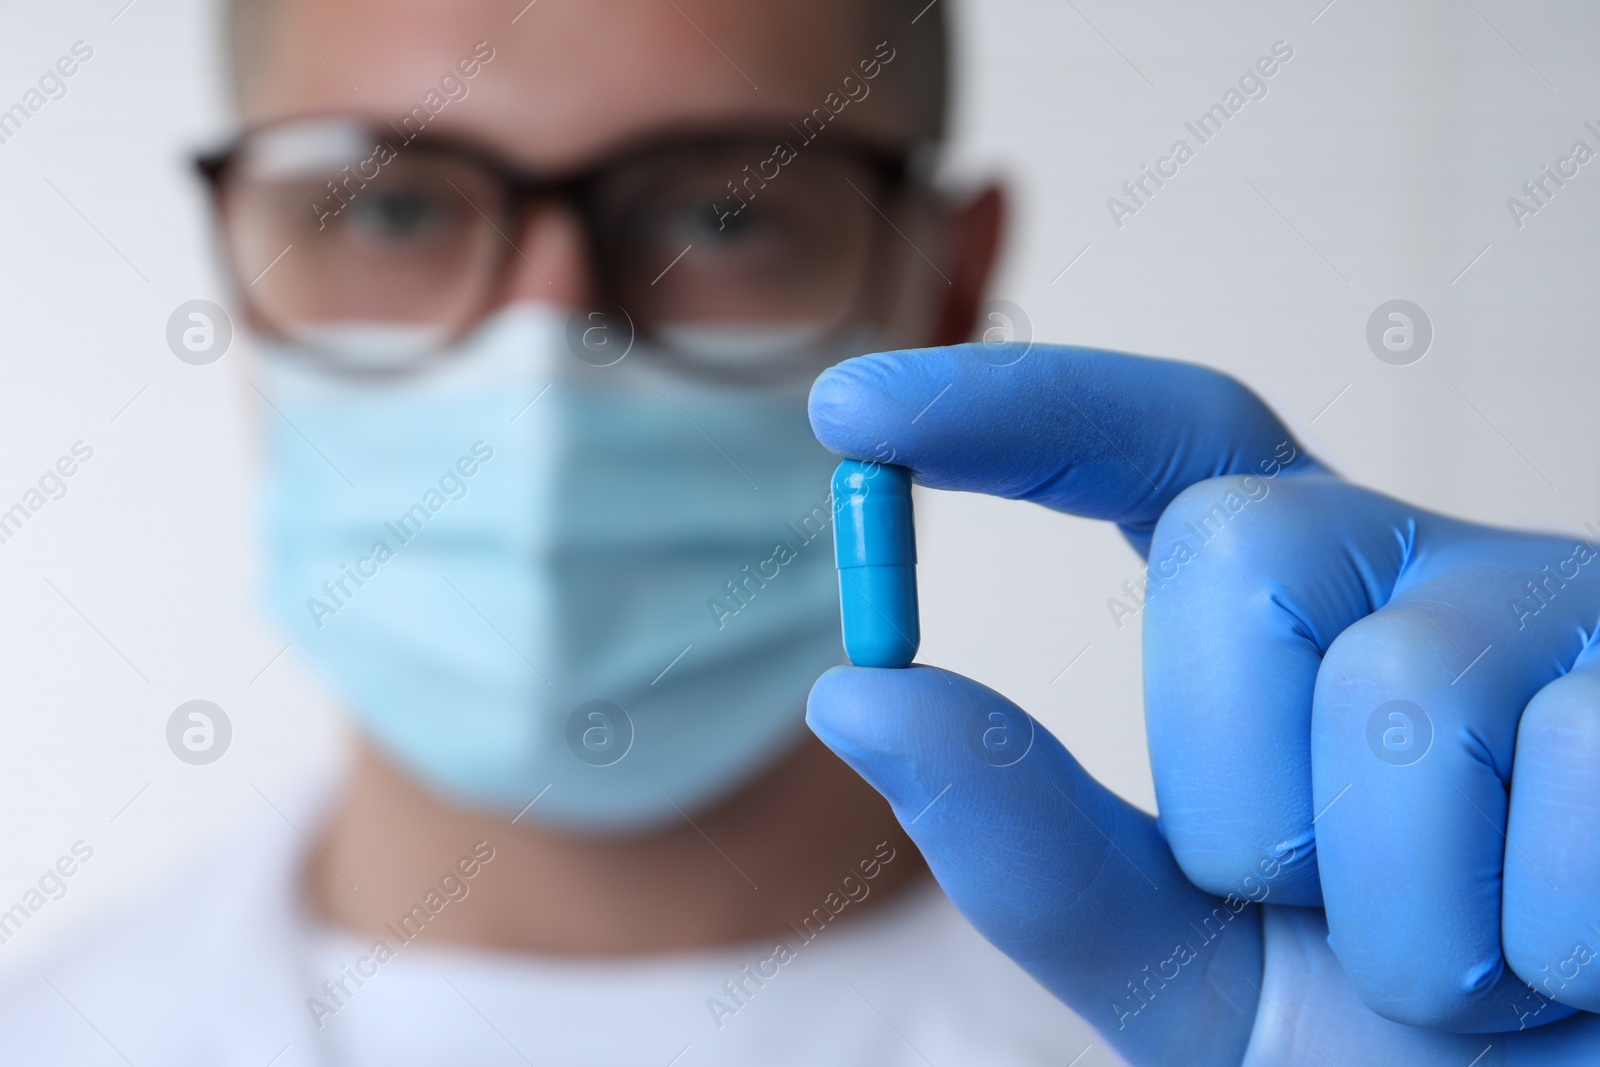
(899, 171)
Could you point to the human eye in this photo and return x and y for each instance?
(398, 214)
(743, 225)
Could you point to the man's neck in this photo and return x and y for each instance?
(763, 859)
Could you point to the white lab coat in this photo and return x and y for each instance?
(217, 970)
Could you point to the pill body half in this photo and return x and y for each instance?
(875, 548)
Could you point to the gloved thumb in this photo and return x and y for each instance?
(1059, 873)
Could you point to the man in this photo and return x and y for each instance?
(660, 864)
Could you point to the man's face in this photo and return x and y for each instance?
(611, 128)
(571, 82)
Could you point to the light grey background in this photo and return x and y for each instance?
(1377, 167)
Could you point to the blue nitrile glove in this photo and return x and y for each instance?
(1366, 775)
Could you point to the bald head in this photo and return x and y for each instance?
(774, 60)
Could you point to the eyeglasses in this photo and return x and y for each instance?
(376, 251)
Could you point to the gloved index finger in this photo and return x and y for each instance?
(1094, 433)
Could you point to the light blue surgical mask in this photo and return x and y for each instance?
(604, 589)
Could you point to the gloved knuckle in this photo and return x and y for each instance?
(1558, 964)
(1390, 650)
(1434, 999)
(1240, 865)
(1218, 523)
(1565, 713)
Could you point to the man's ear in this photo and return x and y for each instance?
(974, 228)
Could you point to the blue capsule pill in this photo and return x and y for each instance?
(876, 552)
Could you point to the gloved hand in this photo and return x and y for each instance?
(1340, 691)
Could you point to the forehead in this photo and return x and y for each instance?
(570, 78)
